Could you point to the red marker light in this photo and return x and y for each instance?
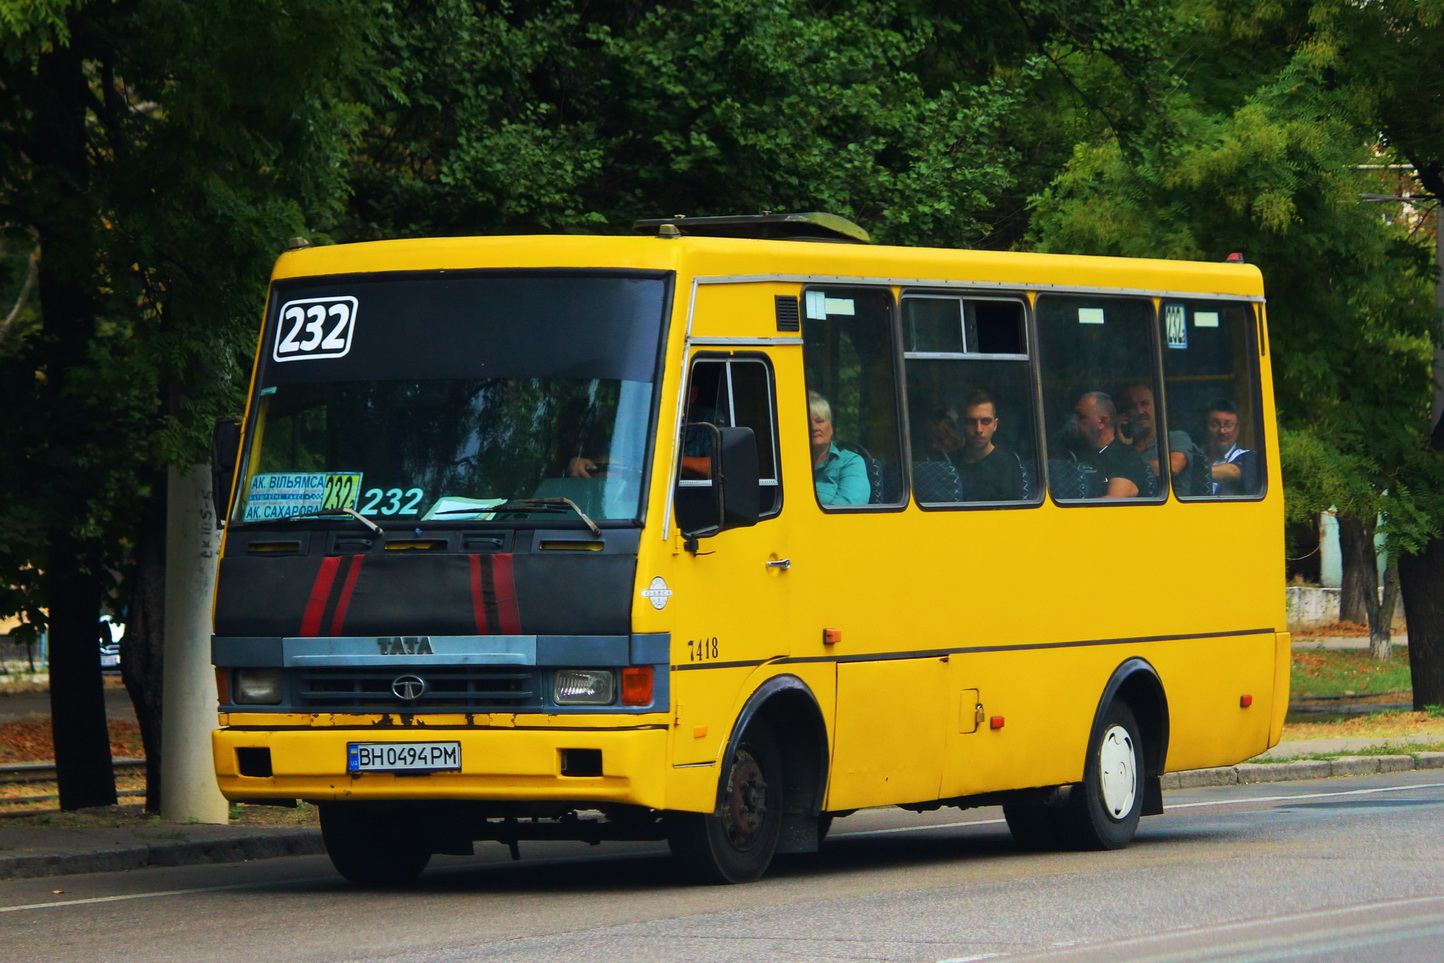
(637, 685)
(1245, 701)
(1235, 258)
(996, 722)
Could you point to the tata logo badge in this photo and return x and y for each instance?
(657, 593)
(405, 645)
(408, 688)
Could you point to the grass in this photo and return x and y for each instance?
(1347, 672)
(1402, 749)
(1341, 673)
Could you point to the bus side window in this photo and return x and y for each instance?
(733, 392)
(849, 360)
(1210, 370)
(970, 396)
(1100, 392)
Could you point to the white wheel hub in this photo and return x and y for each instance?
(1118, 771)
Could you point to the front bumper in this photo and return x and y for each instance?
(515, 764)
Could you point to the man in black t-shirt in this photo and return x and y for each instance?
(1123, 471)
(988, 472)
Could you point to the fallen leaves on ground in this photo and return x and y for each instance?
(134, 816)
(29, 740)
(1377, 725)
(1332, 629)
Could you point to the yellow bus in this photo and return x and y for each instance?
(719, 531)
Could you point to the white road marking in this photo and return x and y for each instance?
(167, 892)
(1310, 795)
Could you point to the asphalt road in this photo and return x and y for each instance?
(1343, 869)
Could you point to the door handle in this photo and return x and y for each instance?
(782, 563)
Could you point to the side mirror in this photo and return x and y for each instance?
(225, 453)
(736, 478)
(730, 496)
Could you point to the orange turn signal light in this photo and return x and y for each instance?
(831, 636)
(637, 685)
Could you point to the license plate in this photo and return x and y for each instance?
(403, 756)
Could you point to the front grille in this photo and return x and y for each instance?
(447, 687)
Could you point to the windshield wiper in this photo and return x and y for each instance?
(338, 513)
(555, 504)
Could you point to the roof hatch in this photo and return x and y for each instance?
(811, 226)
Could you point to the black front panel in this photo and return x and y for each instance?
(446, 325)
(400, 593)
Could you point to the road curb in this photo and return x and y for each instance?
(1248, 773)
(231, 848)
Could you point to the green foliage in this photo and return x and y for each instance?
(156, 154)
(554, 116)
(34, 25)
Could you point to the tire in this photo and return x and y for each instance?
(736, 843)
(372, 846)
(1103, 811)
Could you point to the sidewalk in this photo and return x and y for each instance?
(28, 851)
(1282, 763)
(31, 850)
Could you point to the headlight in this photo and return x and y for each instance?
(584, 687)
(258, 687)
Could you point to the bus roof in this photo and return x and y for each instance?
(802, 261)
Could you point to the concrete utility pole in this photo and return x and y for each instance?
(188, 700)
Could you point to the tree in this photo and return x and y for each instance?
(1265, 159)
(1388, 67)
(158, 153)
(561, 116)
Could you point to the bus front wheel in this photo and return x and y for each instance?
(372, 847)
(736, 843)
(1102, 812)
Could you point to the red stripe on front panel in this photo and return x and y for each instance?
(320, 592)
(478, 599)
(508, 614)
(353, 571)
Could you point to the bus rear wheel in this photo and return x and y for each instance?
(736, 843)
(1102, 812)
(372, 846)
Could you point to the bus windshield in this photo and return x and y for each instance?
(453, 400)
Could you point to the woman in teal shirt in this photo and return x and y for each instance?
(840, 475)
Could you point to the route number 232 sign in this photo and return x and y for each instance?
(314, 328)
